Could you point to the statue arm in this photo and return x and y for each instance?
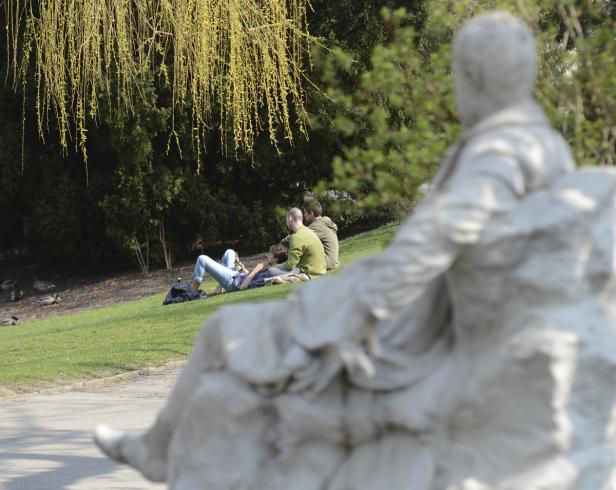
(444, 225)
(383, 285)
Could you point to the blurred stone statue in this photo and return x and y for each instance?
(477, 351)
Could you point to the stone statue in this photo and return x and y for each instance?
(477, 351)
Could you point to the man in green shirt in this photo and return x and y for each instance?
(325, 229)
(306, 253)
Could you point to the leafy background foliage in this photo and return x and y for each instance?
(401, 117)
(380, 113)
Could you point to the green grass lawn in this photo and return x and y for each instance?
(131, 335)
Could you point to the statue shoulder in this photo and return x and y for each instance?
(536, 153)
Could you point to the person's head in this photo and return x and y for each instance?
(494, 63)
(277, 254)
(294, 219)
(312, 210)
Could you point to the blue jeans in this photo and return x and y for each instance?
(219, 272)
(228, 258)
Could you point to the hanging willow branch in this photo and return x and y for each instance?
(242, 56)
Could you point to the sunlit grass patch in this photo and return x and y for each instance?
(131, 335)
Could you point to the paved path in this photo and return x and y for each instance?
(46, 439)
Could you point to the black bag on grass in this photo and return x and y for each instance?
(183, 292)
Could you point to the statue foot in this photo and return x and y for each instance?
(109, 440)
(128, 449)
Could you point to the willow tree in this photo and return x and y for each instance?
(242, 57)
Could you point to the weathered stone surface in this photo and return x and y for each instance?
(477, 351)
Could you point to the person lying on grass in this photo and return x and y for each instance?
(231, 260)
(232, 280)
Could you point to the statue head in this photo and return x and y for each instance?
(494, 63)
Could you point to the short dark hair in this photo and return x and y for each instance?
(314, 207)
(280, 252)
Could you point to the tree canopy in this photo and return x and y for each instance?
(376, 117)
(236, 63)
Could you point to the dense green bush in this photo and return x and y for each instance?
(401, 117)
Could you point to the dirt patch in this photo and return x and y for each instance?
(79, 293)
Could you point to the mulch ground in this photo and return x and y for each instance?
(78, 293)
